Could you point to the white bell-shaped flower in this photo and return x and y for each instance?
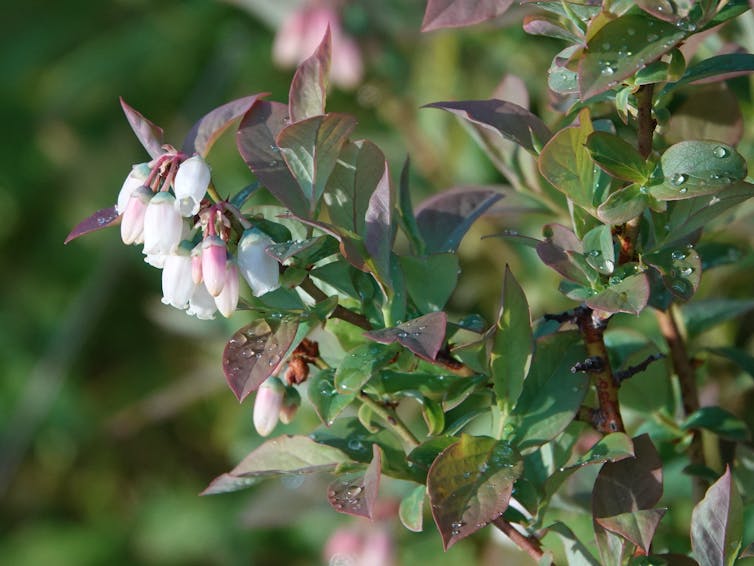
(190, 185)
(260, 270)
(163, 225)
(132, 223)
(177, 284)
(135, 179)
(267, 405)
(227, 300)
(202, 304)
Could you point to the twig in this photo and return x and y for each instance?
(392, 419)
(528, 544)
(340, 311)
(630, 371)
(689, 393)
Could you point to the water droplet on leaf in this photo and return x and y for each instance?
(678, 255)
(720, 152)
(678, 179)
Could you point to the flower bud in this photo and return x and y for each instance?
(227, 300)
(177, 284)
(132, 223)
(260, 270)
(163, 226)
(291, 403)
(202, 304)
(214, 258)
(135, 179)
(190, 185)
(267, 405)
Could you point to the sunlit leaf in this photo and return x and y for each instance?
(308, 91)
(470, 484)
(624, 204)
(411, 509)
(205, 132)
(327, 400)
(359, 365)
(97, 221)
(424, 336)
(356, 495)
(637, 526)
(149, 134)
(458, 13)
(599, 249)
(616, 156)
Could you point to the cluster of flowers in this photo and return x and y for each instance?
(163, 206)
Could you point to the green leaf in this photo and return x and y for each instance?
(359, 365)
(717, 523)
(621, 47)
(308, 91)
(512, 343)
(599, 250)
(567, 165)
(552, 393)
(618, 157)
(681, 270)
(411, 509)
(638, 527)
(430, 280)
(311, 148)
(560, 78)
(576, 551)
(700, 316)
(356, 495)
(742, 359)
(424, 336)
(689, 215)
(470, 484)
(719, 421)
(306, 252)
(694, 168)
(327, 401)
(630, 295)
(406, 211)
(624, 204)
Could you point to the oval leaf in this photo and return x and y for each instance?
(629, 295)
(308, 91)
(458, 13)
(424, 336)
(411, 509)
(717, 523)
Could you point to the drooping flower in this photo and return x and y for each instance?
(132, 223)
(227, 300)
(191, 184)
(135, 179)
(260, 270)
(163, 225)
(214, 259)
(177, 283)
(267, 405)
(202, 304)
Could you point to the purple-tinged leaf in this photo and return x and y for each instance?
(205, 132)
(629, 295)
(717, 523)
(149, 134)
(638, 527)
(308, 90)
(470, 485)
(667, 10)
(411, 509)
(254, 353)
(379, 231)
(563, 237)
(356, 495)
(549, 26)
(424, 336)
(256, 143)
(562, 261)
(311, 147)
(506, 119)
(444, 219)
(631, 484)
(623, 205)
(227, 483)
(100, 219)
(459, 13)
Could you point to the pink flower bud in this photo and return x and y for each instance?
(163, 225)
(132, 223)
(177, 285)
(190, 185)
(214, 258)
(135, 179)
(202, 304)
(260, 270)
(227, 300)
(267, 405)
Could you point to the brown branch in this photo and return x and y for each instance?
(689, 392)
(529, 544)
(340, 311)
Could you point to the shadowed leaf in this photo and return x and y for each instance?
(430, 280)
(717, 523)
(205, 132)
(356, 495)
(719, 67)
(739, 357)
(616, 156)
(254, 353)
(359, 365)
(308, 90)
(327, 401)
(424, 336)
(470, 485)
(149, 134)
(458, 13)
(700, 316)
(378, 229)
(681, 270)
(623, 205)
(719, 421)
(97, 221)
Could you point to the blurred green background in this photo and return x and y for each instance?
(114, 414)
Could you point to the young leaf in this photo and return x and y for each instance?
(411, 509)
(430, 280)
(564, 262)
(97, 221)
(719, 421)
(624, 204)
(256, 137)
(254, 353)
(550, 26)
(356, 495)
(506, 119)
(327, 401)
(308, 90)
(628, 295)
(618, 157)
(311, 147)
(599, 249)
(621, 47)
(470, 484)
(512, 343)
(445, 218)
(717, 523)
(459, 13)
(149, 134)
(205, 132)
(638, 527)
(424, 336)
(359, 365)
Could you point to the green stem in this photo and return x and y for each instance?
(391, 418)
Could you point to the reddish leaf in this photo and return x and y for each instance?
(100, 219)
(561, 261)
(357, 495)
(205, 132)
(550, 26)
(717, 523)
(379, 233)
(258, 147)
(506, 119)
(254, 353)
(470, 485)
(149, 134)
(458, 13)
(424, 336)
(445, 218)
(637, 527)
(309, 86)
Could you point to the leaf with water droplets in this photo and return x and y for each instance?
(356, 494)
(629, 295)
(550, 26)
(97, 221)
(599, 250)
(254, 353)
(459, 13)
(308, 91)
(624, 204)
(681, 270)
(717, 523)
(149, 134)
(470, 484)
(359, 365)
(669, 10)
(424, 336)
(205, 132)
(327, 401)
